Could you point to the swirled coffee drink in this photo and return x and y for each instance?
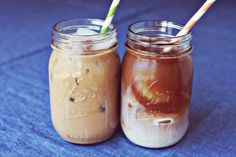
(156, 88)
(84, 88)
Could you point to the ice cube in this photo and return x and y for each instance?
(85, 31)
(95, 46)
(87, 36)
(104, 45)
(99, 46)
(163, 121)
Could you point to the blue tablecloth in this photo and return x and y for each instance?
(25, 125)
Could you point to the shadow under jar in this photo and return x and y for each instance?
(157, 74)
(84, 73)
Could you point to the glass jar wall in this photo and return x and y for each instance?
(84, 73)
(157, 74)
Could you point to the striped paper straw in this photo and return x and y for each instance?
(192, 22)
(196, 17)
(110, 16)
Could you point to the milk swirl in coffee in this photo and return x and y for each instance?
(156, 84)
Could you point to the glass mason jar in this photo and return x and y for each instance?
(157, 74)
(84, 77)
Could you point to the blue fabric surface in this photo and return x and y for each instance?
(25, 125)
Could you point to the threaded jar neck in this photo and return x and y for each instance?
(158, 39)
(81, 36)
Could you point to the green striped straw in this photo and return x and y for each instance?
(110, 16)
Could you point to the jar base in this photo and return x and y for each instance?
(130, 136)
(155, 137)
(88, 141)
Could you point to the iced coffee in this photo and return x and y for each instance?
(157, 73)
(84, 81)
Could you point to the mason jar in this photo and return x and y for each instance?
(157, 75)
(84, 79)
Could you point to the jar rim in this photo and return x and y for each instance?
(59, 26)
(65, 35)
(164, 23)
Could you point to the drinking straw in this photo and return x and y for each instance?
(189, 25)
(196, 17)
(110, 16)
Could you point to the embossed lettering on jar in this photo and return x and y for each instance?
(84, 81)
(157, 74)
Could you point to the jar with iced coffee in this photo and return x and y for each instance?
(157, 74)
(84, 81)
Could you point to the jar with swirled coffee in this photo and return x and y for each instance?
(157, 74)
(84, 76)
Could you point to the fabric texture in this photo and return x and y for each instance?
(25, 124)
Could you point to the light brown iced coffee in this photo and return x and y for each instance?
(84, 83)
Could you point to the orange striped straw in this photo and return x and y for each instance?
(191, 22)
(196, 17)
